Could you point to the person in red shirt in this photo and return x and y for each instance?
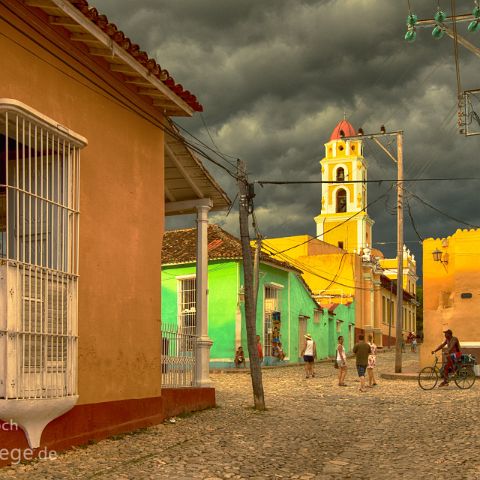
(260, 349)
(453, 354)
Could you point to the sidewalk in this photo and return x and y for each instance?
(410, 368)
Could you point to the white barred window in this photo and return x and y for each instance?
(271, 305)
(39, 231)
(187, 301)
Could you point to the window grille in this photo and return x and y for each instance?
(187, 296)
(178, 356)
(271, 305)
(39, 232)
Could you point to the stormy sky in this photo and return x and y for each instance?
(275, 77)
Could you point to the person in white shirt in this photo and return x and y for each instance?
(341, 362)
(309, 353)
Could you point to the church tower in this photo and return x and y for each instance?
(344, 163)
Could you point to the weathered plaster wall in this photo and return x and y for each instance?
(121, 222)
(443, 285)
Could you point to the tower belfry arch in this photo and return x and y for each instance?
(345, 166)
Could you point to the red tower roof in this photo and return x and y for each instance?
(346, 126)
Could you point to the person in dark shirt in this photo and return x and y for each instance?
(453, 354)
(362, 351)
(239, 357)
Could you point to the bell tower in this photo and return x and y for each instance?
(343, 220)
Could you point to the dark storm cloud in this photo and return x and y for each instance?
(275, 76)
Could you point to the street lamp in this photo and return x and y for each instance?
(438, 256)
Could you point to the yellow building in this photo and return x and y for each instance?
(451, 291)
(344, 163)
(339, 266)
(410, 277)
(318, 260)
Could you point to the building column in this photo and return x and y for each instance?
(204, 343)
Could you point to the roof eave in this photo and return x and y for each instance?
(181, 108)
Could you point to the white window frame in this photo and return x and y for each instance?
(40, 256)
(268, 315)
(186, 320)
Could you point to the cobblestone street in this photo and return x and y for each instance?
(312, 429)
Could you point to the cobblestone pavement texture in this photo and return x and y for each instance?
(313, 429)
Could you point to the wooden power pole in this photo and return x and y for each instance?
(399, 323)
(250, 296)
(399, 162)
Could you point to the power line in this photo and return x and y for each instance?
(217, 152)
(102, 91)
(442, 212)
(305, 268)
(413, 221)
(341, 223)
(394, 242)
(380, 180)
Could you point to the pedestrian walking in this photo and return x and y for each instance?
(403, 344)
(372, 362)
(341, 362)
(414, 344)
(309, 353)
(259, 349)
(362, 351)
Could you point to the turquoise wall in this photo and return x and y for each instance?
(225, 279)
(345, 314)
(222, 302)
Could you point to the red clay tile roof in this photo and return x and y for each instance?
(134, 50)
(343, 126)
(179, 246)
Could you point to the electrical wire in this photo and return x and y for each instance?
(203, 144)
(413, 221)
(104, 92)
(306, 269)
(379, 180)
(343, 222)
(450, 217)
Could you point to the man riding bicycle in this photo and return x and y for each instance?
(453, 354)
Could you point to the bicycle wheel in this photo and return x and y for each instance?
(465, 377)
(428, 378)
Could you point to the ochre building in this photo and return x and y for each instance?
(451, 292)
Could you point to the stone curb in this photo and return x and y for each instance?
(400, 376)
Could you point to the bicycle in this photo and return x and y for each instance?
(463, 374)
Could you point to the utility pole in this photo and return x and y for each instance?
(399, 162)
(245, 203)
(256, 269)
(399, 323)
(390, 315)
(443, 24)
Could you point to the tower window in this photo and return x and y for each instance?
(340, 174)
(340, 244)
(341, 201)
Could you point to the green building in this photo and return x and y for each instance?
(286, 310)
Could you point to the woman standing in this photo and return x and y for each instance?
(309, 353)
(372, 362)
(341, 362)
